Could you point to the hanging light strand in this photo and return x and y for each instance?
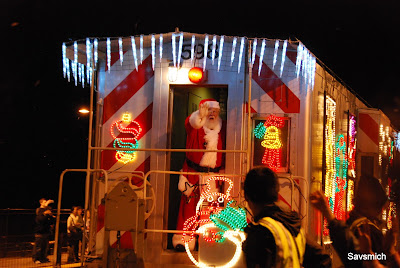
(283, 57)
(161, 46)
(173, 40)
(75, 63)
(88, 59)
(96, 53)
(64, 59)
(192, 48)
(153, 51)
(214, 46)
(254, 50)
(141, 48)
(298, 59)
(205, 52)
(233, 49)
(221, 49)
(241, 53)
(261, 59)
(108, 54)
(134, 52)
(275, 53)
(121, 51)
(180, 49)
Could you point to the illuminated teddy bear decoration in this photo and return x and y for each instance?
(230, 220)
(271, 133)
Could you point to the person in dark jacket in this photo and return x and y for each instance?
(264, 247)
(369, 199)
(43, 224)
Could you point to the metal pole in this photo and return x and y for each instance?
(323, 163)
(58, 213)
(249, 109)
(89, 158)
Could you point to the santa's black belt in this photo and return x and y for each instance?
(199, 168)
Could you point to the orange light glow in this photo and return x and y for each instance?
(196, 75)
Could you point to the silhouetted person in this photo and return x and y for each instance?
(43, 224)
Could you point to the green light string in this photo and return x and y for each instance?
(259, 131)
(126, 145)
(229, 218)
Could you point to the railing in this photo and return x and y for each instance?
(17, 231)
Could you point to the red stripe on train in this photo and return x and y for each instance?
(368, 125)
(276, 89)
(127, 88)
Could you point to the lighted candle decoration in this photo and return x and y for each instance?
(351, 169)
(127, 139)
(230, 221)
(330, 168)
(270, 132)
(341, 177)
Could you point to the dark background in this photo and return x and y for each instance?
(41, 132)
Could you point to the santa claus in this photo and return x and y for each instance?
(205, 130)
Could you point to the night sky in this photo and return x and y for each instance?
(42, 133)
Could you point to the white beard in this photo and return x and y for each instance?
(212, 124)
(211, 130)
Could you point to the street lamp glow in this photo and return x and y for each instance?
(83, 111)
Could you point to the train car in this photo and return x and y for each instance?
(283, 109)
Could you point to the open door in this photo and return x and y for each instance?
(184, 100)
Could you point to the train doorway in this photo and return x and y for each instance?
(184, 100)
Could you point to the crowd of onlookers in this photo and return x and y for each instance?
(275, 236)
(44, 226)
(275, 232)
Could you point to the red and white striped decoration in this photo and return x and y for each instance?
(126, 90)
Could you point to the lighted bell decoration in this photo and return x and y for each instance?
(196, 75)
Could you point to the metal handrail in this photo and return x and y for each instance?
(88, 172)
(176, 173)
(166, 150)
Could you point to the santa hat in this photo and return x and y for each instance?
(212, 103)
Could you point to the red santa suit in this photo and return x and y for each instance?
(198, 137)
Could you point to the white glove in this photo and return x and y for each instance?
(185, 186)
